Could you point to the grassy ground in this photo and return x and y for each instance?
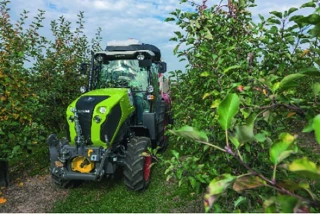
(113, 196)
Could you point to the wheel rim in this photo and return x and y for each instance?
(146, 168)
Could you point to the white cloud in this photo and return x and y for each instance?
(123, 19)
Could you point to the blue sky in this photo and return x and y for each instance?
(123, 19)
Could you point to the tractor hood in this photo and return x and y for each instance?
(101, 114)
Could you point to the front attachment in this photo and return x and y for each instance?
(69, 163)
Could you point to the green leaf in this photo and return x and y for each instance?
(277, 14)
(169, 19)
(179, 173)
(175, 50)
(308, 4)
(291, 10)
(234, 141)
(295, 18)
(220, 183)
(175, 154)
(239, 201)
(245, 133)
(281, 149)
(206, 95)
(316, 88)
(316, 32)
(179, 34)
(288, 81)
(287, 203)
(209, 35)
(303, 41)
(227, 109)
(193, 181)
(311, 19)
(261, 17)
(309, 127)
(215, 103)
(311, 72)
(270, 205)
(305, 168)
(260, 137)
(231, 68)
(316, 127)
(205, 74)
(275, 87)
(190, 133)
(247, 182)
(217, 186)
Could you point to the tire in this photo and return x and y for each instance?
(4, 174)
(137, 168)
(164, 143)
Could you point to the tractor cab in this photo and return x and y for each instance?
(129, 65)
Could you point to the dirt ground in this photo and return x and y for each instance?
(31, 195)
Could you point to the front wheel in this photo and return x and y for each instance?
(137, 167)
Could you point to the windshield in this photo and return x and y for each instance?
(123, 73)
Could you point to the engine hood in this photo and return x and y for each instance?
(101, 113)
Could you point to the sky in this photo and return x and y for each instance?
(123, 19)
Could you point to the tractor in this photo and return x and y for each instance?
(116, 121)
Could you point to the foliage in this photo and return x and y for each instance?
(245, 83)
(18, 129)
(39, 77)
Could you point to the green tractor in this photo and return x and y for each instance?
(114, 123)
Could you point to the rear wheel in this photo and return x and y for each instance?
(137, 167)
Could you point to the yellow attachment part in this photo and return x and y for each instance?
(90, 152)
(82, 164)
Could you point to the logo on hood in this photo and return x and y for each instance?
(90, 99)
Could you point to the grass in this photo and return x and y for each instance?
(113, 196)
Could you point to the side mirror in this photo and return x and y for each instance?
(84, 68)
(162, 67)
(145, 63)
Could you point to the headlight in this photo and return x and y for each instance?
(140, 57)
(97, 119)
(150, 89)
(102, 110)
